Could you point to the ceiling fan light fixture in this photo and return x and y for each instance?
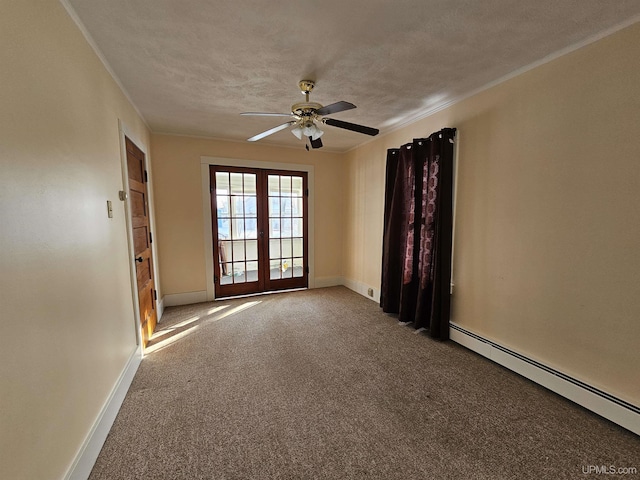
(317, 134)
(297, 132)
(311, 130)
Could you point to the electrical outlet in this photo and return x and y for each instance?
(370, 292)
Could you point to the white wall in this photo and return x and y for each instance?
(548, 213)
(65, 291)
(179, 205)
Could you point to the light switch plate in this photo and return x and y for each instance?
(109, 209)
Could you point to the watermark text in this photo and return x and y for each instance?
(608, 470)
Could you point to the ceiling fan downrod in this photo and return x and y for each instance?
(306, 87)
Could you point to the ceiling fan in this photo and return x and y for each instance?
(306, 115)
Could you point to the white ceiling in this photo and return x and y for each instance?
(191, 66)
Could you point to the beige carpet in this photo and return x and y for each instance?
(320, 384)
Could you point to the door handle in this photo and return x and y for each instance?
(140, 259)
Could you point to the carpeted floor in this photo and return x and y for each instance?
(320, 384)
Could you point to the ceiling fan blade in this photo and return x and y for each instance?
(351, 126)
(315, 143)
(335, 108)
(266, 114)
(271, 131)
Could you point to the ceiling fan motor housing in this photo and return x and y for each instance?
(305, 109)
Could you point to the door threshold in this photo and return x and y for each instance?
(257, 294)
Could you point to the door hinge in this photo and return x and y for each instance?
(306, 269)
(306, 192)
(155, 294)
(215, 279)
(150, 238)
(146, 177)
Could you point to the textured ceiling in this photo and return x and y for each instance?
(191, 66)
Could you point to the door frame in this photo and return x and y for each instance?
(124, 131)
(206, 162)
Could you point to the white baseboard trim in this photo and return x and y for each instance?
(160, 308)
(87, 455)
(324, 282)
(187, 298)
(362, 289)
(618, 411)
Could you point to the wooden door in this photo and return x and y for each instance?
(259, 229)
(139, 203)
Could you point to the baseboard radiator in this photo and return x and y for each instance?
(604, 404)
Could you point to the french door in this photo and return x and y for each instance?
(259, 230)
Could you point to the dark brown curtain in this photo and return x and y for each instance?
(416, 256)
(392, 235)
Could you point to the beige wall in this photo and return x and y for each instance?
(179, 211)
(547, 227)
(65, 293)
(548, 212)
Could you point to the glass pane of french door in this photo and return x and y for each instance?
(259, 227)
(236, 222)
(286, 235)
